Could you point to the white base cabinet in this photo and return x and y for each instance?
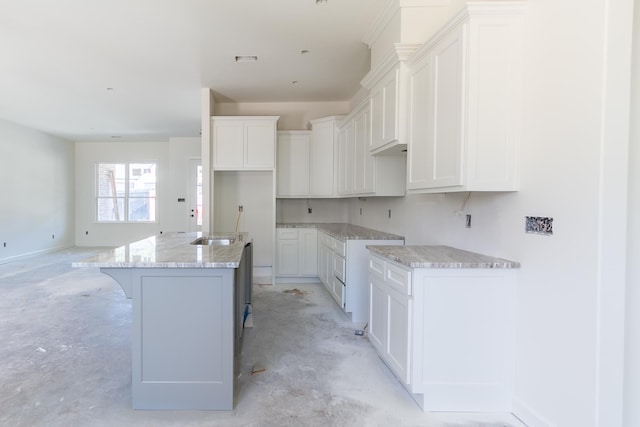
(296, 252)
(342, 268)
(447, 334)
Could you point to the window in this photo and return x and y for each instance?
(126, 192)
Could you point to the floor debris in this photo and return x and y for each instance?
(294, 291)
(257, 369)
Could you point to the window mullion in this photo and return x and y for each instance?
(126, 192)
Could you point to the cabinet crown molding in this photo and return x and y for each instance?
(389, 11)
(470, 10)
(400, 53)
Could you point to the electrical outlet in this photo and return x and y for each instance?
(539, 225)
(86, 233)
(389, 213)
(468, 221)
(53, 236)
(240, 208)
(360, 211)
(309, 210)
(5, 244)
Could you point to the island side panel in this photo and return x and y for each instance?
(182, 339)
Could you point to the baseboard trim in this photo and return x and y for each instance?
(39, 252)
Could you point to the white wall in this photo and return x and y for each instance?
(37, 187)
(632, 354)
(172, 178)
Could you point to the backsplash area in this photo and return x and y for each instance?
(312, 210)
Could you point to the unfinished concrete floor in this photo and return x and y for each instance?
(65, 359)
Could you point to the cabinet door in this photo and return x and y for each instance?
(325, 265)
(293, 164)
(308, 252)
(228, 145)
(398, 307)
(420, 161)
(321, 155)
(435, 117)
(364, 162)
(377, 314)
(259, 138)
(445, 148)
(346, 157)
(287, 257)
(384, 110)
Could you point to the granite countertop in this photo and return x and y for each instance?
(345, 231)
(171, 250)
(439, 257)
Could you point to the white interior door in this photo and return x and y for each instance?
(195, 195)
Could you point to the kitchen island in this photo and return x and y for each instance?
(187, 309)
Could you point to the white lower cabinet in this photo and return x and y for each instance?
(297, 252)
(446, 333)
(342, 268)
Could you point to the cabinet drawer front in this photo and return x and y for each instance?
(339, 267)
(398, 278)
(376, 266)
(287, 233)
(340, 247)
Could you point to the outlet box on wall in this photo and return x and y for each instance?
(539, 225)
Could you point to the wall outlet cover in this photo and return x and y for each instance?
(539, 225)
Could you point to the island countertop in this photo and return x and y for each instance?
(344, 231)
(439, 257)
(171, 250)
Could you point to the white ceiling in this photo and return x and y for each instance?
(60, 57)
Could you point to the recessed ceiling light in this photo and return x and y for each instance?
(116, 136)
(321, 1)
(110, 89)
(304, 52)
(246, 58)
(295, 82)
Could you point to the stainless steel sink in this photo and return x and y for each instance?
(213, 241)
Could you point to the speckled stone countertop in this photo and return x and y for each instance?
(345, 231)
(439, 257)
(171, 250)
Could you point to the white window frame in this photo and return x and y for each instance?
(126, 197)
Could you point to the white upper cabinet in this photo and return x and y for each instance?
(323, 169)
(307, 160)
(384, 111)
(465, 103)
(292, 167)
(388, 99)
(359, 172)
(243, 143)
